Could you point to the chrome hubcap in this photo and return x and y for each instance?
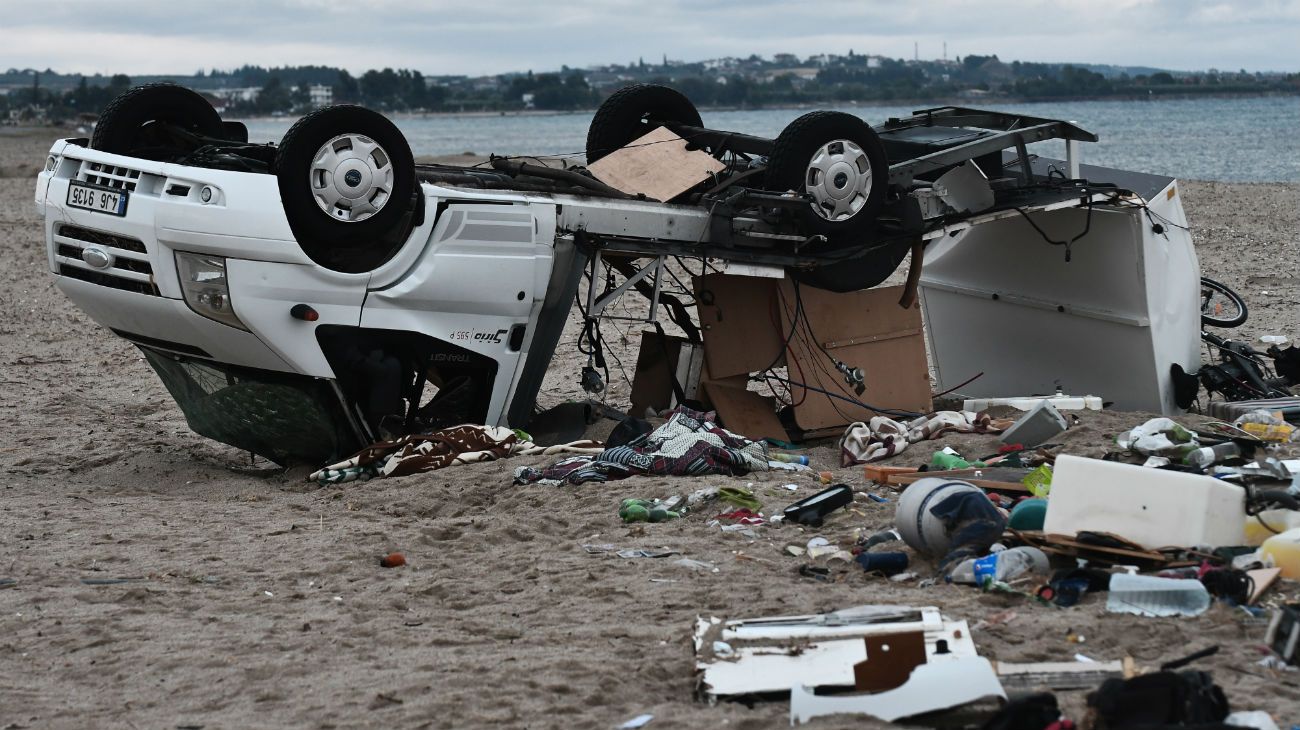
(838, 179)
(351, 178)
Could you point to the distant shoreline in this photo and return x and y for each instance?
(991, 102)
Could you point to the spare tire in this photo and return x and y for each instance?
(124, 126)
(347, 183)
(632, 112)
(838, 161)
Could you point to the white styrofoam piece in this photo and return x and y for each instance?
(933, 686)
(754, 670)
(1024, 403)
(1152, 507)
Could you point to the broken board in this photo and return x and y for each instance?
(993, 477)
(745, 412)
(657, 165)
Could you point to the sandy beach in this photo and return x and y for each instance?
(255, 599)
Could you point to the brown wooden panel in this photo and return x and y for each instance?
(864, 329)
(739, 323)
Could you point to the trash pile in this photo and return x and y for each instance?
(1171, 521)
(1168, 523)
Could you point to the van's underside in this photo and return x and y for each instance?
(291, 320)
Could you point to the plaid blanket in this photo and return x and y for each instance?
(416, 453)
(881, 438)
(689, 444)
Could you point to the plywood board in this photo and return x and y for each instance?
(657, 165)
(739, 322)
(864, 329)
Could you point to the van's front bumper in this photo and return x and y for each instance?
(138, 292)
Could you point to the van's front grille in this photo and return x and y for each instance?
(103, 238)
(127, 268)
(98, 277)
(110, 176)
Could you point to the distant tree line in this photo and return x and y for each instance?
(749, 82)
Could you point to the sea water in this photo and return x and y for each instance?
(1255, 139)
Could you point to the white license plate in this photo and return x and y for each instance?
(99, 200)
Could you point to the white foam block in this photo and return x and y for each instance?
(1152, 507)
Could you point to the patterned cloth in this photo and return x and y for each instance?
(689, 444)
(416, 453)
(883, 437)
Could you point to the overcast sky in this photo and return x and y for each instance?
(493, 36)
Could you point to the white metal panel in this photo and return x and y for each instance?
(484, 271)
(262, 293)
(998, 299)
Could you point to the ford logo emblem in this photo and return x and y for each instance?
(97, 257)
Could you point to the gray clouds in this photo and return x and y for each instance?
(492, 36)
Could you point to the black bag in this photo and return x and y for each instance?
(628, 430)
(1035, 712)
(1159, 700)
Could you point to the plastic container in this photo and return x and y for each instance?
(921, 530)
(1001, 566)
(1028, 514)
(1147, 595)
(1281, 520)
(886, 563)
(1153, 507)
(1283, 551)
(1039, 424)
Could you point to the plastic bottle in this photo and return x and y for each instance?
(879, 538)
(1283, 551)
(947, 462)
(790, 458)
(1000, 567)
(1148, 595)
(1207, 455)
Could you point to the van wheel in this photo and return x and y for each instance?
(632, 112)
(126, 126)
(347, 183)
(837, 160)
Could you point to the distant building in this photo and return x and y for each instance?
(320, 95)
(247, 93)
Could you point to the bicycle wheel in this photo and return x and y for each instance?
(1221, 306)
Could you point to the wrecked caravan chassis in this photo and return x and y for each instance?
(301, 300)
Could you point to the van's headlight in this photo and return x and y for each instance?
(203, 282)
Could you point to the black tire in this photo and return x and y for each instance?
(788, 169)
(629, 113)
(857, 272)
(330, 239)
(122, 128)
(1211, 316)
